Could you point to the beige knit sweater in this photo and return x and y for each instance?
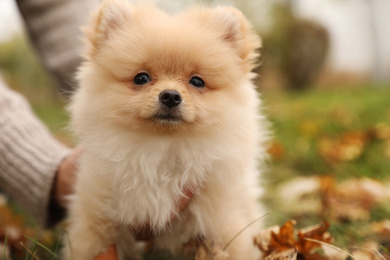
(29, 155)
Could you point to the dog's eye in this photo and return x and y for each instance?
(197, 82)
(141, 78)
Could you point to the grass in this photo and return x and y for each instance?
(300, 121)
(22, 71)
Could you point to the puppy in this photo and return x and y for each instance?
(166, 104)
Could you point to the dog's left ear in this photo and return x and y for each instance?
(237, 31)
(110, 16)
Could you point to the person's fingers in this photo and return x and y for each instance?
(110, 254)
(66, 176)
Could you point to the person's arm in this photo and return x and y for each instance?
(29, 157)
(54, 30)
(32, 165)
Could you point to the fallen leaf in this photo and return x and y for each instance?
(13, 227)
(386, 149)
(276, 150)
(307, 247)
(263, 239)
(381, 131)
(281, 244)
(367, 251)
(302, 191)
(290, 254)
(334, 253)
(352, 199)
(382, 230)
(284, 239)
(348, 147)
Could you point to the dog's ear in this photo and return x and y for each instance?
(236, 30)
(110, 16)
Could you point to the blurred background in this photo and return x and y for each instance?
(325, 82)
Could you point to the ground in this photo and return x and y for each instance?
(329, 164)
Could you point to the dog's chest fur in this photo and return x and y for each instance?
(148, 175)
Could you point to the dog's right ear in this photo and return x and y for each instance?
(110, 16)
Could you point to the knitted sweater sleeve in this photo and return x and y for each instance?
(29, 155)
(53, 27)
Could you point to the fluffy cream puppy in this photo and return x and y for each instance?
(166, 104)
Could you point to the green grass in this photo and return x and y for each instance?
(301, 120)
(23, 72)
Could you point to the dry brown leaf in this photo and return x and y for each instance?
(382, 230)
(13, 227)
(276, 150)
(334, 253)
(263, 239)
(308, 248)
(386, 149)
(381, 131)
(302, 191)
(290, 254)
(347, 147)
(349, 200)
(368, 251)
(288, 240)
(284, 240)
(352, 199)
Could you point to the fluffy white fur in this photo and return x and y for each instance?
(134, 168)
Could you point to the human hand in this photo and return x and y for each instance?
(66, 177)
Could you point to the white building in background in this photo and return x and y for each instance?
(359, 29)
(10, 23)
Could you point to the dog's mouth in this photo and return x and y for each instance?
(168, 115)
(168, 118)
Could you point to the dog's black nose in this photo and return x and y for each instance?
(170, 98)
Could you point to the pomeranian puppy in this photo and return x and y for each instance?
(166, 104)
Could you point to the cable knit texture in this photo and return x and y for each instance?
(29, 155)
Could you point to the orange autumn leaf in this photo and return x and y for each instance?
(289, 240)
(307, 248)
(284, 240)
(276, 150)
